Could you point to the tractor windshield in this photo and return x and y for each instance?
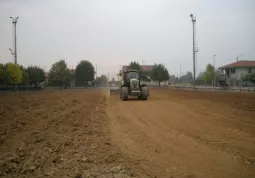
(132, 75)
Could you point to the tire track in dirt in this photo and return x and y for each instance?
(170, 138)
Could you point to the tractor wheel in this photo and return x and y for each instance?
(144, 93)
(124, 93)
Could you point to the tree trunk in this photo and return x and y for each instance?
(158, 83)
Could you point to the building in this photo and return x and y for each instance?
(238, 69)
(147, 69)
(144, 68)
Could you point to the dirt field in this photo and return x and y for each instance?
(187, 134)
(85, 133)
(58, 134)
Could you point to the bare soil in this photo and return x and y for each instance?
(180, 133)
(58, 134)
(86, 133)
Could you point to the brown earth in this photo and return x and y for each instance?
(58, 134)
(187, 134)
(85, 133)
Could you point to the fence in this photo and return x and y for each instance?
(215, 88)
(19, 88)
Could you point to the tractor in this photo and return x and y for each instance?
(131, 85)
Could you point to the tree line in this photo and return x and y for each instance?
(207, 76)
(13, 74)
(159, 72)
(59, 75)
(210, 71)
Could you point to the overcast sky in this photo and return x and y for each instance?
(111, 33)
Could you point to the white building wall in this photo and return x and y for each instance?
(239, 72)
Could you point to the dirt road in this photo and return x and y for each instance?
(187, 134)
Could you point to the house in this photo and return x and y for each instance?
(238, 69)
(147, 69)
(144, 68)
(146, 77)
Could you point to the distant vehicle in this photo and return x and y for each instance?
(131, 85)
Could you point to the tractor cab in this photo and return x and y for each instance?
(131, 85)
(129, 75)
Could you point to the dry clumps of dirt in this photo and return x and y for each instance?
(58, 134)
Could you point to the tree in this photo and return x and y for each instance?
(25, 78)
(102, 80)
(36, 75)
(84, 73)
(12, 74)
(187, 78)
(134, 66)
(252, 77)
(159, 73)
(209, 72)
(249, 77)
(59, 74)
(1, 74)
(173, 79)
(201, 76)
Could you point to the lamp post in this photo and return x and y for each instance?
(193, 20)
(214, 72)
(14, 22)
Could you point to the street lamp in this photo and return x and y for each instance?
(14, 22)
(214, 73)
(193, 20)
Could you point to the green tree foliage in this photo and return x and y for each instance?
(249, 77)
(12, 74)
(1, 74)
(159, 73)
(25, 78)
(36, 75)
(101, 81)
(200, 76)
(59, 74)
(134, 66)
(187, 78)
(209, 72)
(84, 73)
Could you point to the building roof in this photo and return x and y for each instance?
(239, 64)
(143, 67)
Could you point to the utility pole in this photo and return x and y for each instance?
(108, 80)
(214, 73)
(96, 77)
(193, 19)
(180, 74)
(14, 22)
